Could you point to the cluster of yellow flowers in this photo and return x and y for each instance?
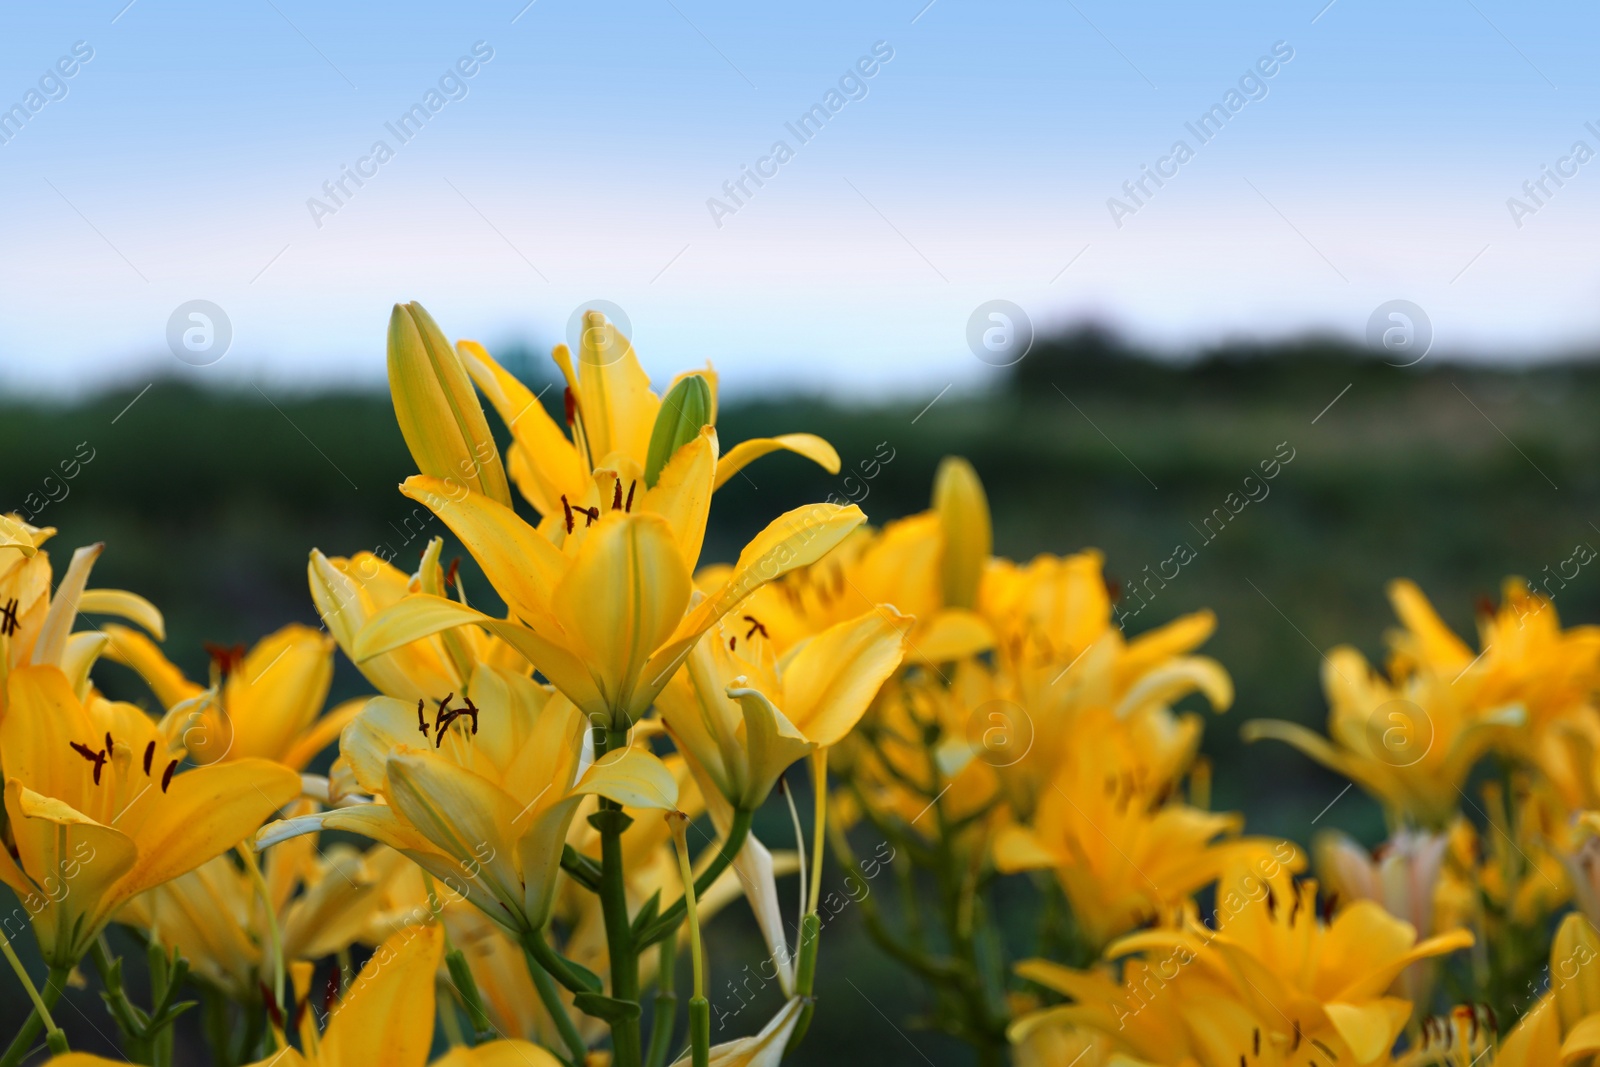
(504, 832)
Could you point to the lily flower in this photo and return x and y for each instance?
(480, 790)
(600, 596)
(98, 813)
(264, 703)
(1272, 983)
(764, 1049)
(610, 410)
(320, 904)
(1122, 852)
(36, 625)
(742, 715)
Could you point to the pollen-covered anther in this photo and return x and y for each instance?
(98, 758)
(755, 628)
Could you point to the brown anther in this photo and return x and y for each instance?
(564, 503)
(627, 505)
(271, 1003)
(422, 723)
(616, 495)
(1257, 1040)
(452, 572)
(109, 744)
(591, 515)
(96, 758)
(226, 658)
(755, 628)
(8, 618)
(570, 401)
(166, 775)
(1272, 904)
(149, 755)
(330, 991)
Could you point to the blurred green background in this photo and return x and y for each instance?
(1453, 475)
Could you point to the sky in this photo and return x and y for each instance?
(564, 153)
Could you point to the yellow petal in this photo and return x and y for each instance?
(463, 814)
(950, 635)
(498, 1054)
(386, 1016)
(133, 649)
(633, 777)
(273, 696)
(1175, 679)
(830, 679)
(324, 732)
(1582, 1041)
(124, 605)
(1370, 1028)
(553, 466)
(437, 409)
(202, 813)
(682, 493)
(624, 595)
(1017, 848)
(763, 1050)
(744, 453)
(963, 511)
(619, 410)
(521, 565)
(52, 639)
(1436, 642)
(73, 865)
(773, 744)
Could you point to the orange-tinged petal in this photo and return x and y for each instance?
(386, 1016)
(133, 649)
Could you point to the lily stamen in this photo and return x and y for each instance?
(755, 627)
(96, 758)
(8, 617)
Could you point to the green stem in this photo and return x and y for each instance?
(550, 997)
(672, 918)
(664, 1021)
(627, 1048)
(40, 1008)
(700, 1031)
(23, 1042)
(563, 970)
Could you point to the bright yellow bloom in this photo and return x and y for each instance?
(262, 703)
(1564, 1026)
(742, 715)
(600, 596)
(1412, 739)
(480, 793)
(1122, 852)
(611, 412)
(928, 566)
(386, 1017)
(97, 813)
(321, 902)
(1270, 983)
(36, 624)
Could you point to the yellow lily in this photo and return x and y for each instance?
(742, 715)
(928, 566)
(1412, 739)
(600, 596)
(1271, 982)
(36, 624)
(264, 703)
(320, 904)
(482, 795)
(385, 1016)
(611, 411)
(1564, 1026)
(97, 813)
(1122, 853)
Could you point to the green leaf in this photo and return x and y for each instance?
(684, 410)
(607, 1008)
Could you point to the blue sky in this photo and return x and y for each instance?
(976, 163)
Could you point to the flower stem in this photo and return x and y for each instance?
(37, 1019)
(664, 1021)
(699, 1006)
(550, 997)
(627, 1047)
